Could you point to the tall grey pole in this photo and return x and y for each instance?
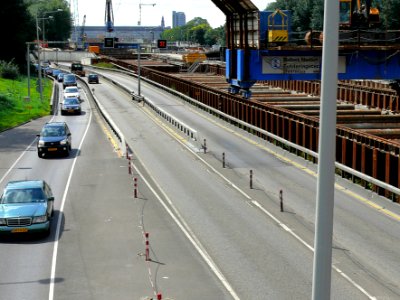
(139, 71)
(322, 270)
(28, 69)
(39, 62)
(44, 39)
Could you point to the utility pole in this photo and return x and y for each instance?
(321, 287)
(28, 69)
(39, 62)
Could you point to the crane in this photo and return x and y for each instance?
(109, 17)
(83, 35)
(140, 11)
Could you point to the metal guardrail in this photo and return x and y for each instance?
(186, 129)
(313, 154)
(108, 119)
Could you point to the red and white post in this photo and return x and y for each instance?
(147, 250)
(135, 187)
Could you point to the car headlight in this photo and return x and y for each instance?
(3, 221)
(40, 219)
(64, 142)
(41, 143)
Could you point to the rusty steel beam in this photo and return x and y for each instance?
(314, 107)
(370, 119)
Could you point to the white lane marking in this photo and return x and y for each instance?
(57, 236)
(175, 215)
(19, 158)
(256, 204)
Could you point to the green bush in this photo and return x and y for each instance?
(9, 70)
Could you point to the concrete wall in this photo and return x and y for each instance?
(65, 55)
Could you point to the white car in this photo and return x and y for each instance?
(71, 92)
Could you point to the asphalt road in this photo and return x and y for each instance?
(365, 236)
(97, 238)
(211, 236)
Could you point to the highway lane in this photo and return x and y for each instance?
(104, 236)
(27, 261)
(230, 233)
(99, 253)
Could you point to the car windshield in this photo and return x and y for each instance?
(23, 196)
(71, 90)
(71, 101)
(53, 131)
(69, 78)
(93, 76)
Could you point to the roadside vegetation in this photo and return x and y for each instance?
(105, 65)
(15, 109)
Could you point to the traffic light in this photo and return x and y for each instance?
(161, 43)
(108, 42)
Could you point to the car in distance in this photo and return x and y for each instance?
(48, 71)
(93, 78)
(60, 77)
(71, 92)
(55, 137)
(55, 73)
(71, 106)
(26, 206)
(69, 80)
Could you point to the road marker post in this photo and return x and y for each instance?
(147, 251)
(135, 187)
(251, 179)
(223, 159)
(205, 146)
(281, 199)
(129, 165)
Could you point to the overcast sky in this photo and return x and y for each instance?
(126, 12)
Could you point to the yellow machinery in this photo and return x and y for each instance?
(358, 13)
(278, 27)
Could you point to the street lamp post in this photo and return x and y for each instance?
(43, 33)
(28, 69)
(38, 49)
(39, 62)
(48, 18)
(139, 71)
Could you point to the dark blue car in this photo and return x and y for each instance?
(55, 137)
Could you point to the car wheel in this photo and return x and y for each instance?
(39, 154)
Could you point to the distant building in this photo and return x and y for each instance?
(162, 23)
(178, 19)
(124, 34)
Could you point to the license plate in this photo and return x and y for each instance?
(52, 149)
(70, 110)
(19, 230)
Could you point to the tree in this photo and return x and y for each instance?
(215, 36)
(19, 28)
(317, 17)
(197, 31)
(59, 27)
(390, 10)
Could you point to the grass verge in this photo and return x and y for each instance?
(15, 108)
